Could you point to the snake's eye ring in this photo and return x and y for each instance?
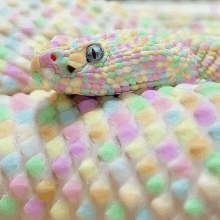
(94, 53)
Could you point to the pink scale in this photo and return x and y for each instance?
(181, 166)
(47, 12)
(119, 118)
(72, 190)
(19, 186)
(118, 90)
(72, 132)
(20, 102)
(162, 104)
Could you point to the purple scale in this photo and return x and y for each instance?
(87, 105)
(101, 81)
(13, 71)
(72, 132)
(125, 88)
(112, 36)
(204, 115)
(153, 63)
(88, 38)
(61, 166)
(127, 133)
(90, 75)
(62, 87)
(78, 149)
(150, 78)
(84, 86)
(119, 55)
(151, 94)
(137, 55)
(99, 70)
(34, 208)
(128, 46)
(55, 43)
(167, 151)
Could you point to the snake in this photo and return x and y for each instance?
(143, 157)
(125, 60)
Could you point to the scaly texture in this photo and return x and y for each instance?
(153, 156)
(132, 60)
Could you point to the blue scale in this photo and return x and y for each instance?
(74, 45)
(214, 131)
(173, 116)
(163, 75)
(73, 75)
(24, 116)
(86, 211)
(136, 67)
(144, 59)
(11, 42)
(10, 163)
(85, 79)
(150, 70)
(69, 115)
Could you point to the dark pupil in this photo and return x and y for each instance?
(93, 53)
(70, 68)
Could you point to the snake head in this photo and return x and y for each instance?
(92, 65)
(69, 65)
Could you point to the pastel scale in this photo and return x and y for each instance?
(132, 162)
(26, 26)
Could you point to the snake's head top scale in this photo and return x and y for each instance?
(107, 64)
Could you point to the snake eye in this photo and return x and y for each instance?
(94, 53)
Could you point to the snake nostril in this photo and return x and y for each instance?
(70, 68)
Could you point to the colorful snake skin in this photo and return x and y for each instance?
(127, 60)
(146, 157)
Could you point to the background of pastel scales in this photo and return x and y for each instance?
(55, 140)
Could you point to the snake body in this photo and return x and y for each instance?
(132, 60)
(150, 156)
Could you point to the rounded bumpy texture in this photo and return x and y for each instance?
(133, 60)
(153, 156)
